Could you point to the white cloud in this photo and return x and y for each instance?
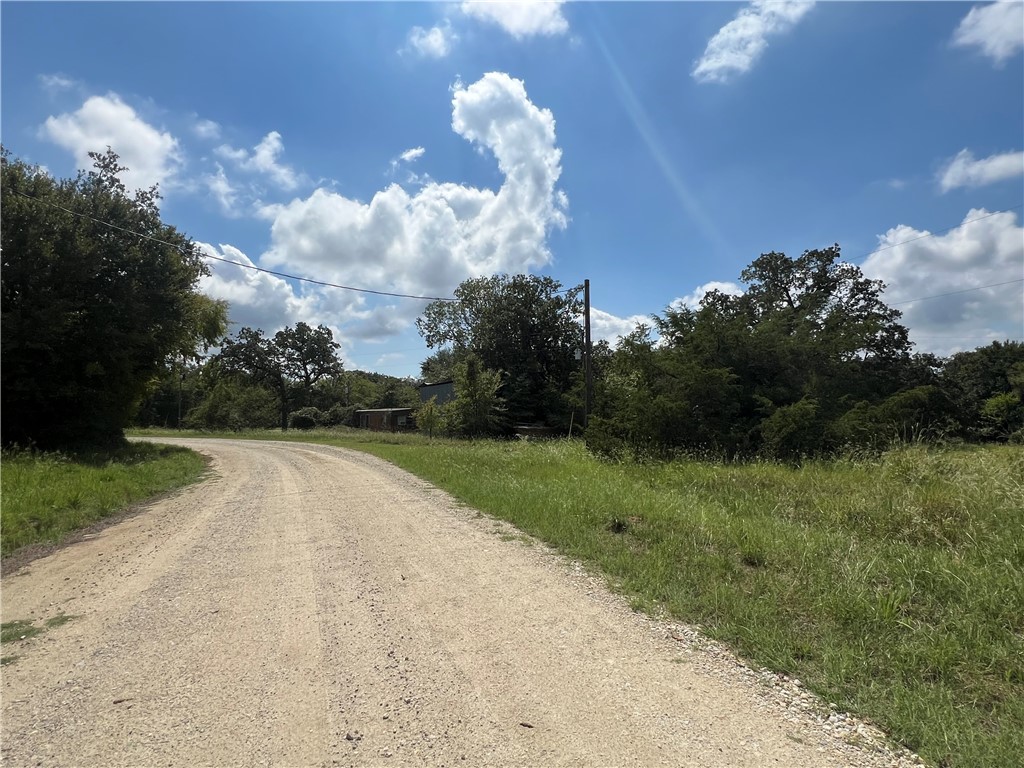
(256, 299)
(264, 159)
(413, 154)
(523, 18)
(693, 300)
(424, 243)
(206, 129)
(428, 242)
(225, 193)
(608, 327)
(964, 171)
(56, 82)
(152, 156)
(974, 254)
(433, 43)
(737, 45)
(997, 30)
(409, 156)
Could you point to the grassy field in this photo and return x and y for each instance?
(45, 496)
(892, 586)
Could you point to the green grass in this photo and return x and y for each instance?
(19, 630)
(14, 631)
(46, 496)
(892, 586)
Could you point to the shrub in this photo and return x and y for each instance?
(306, 418)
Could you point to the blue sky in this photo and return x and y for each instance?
(654, 148)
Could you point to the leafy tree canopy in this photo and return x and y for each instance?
(290, 363)
(525, 326)
(764, 372)
(90, 309)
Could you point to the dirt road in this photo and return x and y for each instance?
(311, 606)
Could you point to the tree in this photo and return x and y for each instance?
(97, 295)
(428, 417)
(973, 379)
(525, 326)
(477, 409)
(766, 371)
(440, 366)
(290, 364)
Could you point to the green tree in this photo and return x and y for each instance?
(477, 409)
(972, 379)
(97, 295)
(439, 366)
(428, 417)
(290, 364)
(525, 326)
(766, 371)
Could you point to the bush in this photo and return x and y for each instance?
(306, 418)
(793, 431)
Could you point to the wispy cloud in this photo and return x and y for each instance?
(997, 30)
(264, 159)
(740, 43)
(56, 82)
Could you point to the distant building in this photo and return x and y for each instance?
(385, 419)
(442, 390)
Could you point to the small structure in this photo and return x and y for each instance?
(444, 391)
(385, 419)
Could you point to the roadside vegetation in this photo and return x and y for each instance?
(47, 496)
(890, 585)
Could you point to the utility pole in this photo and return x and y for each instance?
(588, 372)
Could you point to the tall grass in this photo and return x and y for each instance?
(45, 496)
(892, 586)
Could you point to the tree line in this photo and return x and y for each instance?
(104, 329)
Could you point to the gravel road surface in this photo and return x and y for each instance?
(308, 605)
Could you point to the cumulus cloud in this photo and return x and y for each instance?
(692, 300)
(608, 327)
(740, 43)
(964, 171)
(263, 159)
(433, 43)
(422, 243)
(997, 30)
(259, 300)
(152, 156)
(977, 253)
(521, 19)
(428, 242)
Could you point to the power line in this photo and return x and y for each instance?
(236, 263)
(941, 231)
(954, 293)
(326, 284)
